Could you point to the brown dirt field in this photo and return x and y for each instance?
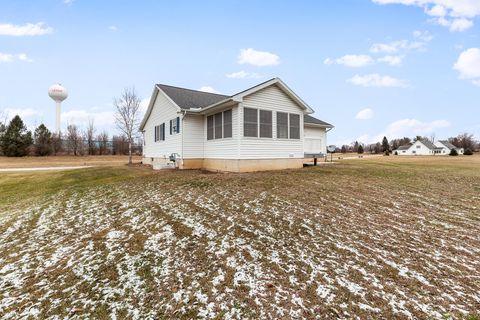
(64, 161)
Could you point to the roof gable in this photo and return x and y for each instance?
(199, 101)
(428, 144)
(191, 99)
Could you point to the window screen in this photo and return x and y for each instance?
(227, 124)
(209, 127)
(250, 122)
(294, 126)
(265, 124)
(282, 125)
(162, 132)
(218, 125)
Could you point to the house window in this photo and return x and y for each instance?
(175, 125)
(418, 147)
(294, 126)
(227, 124)
(218, 125)
(160, 132)
(265, 124)
(282, 125)
(209, 127)
(250, 122)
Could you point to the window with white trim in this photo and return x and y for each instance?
(294, 126)
(282, 125)
(175, 125)
(219, 125)
(265, 123)
(159, 134)
(210, 128)
(227, 124)
(218, 117)
(250, 122)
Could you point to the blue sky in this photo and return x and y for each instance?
(370, 67)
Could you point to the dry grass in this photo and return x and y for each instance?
(378, 238)
(64, 161)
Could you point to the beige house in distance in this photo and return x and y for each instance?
(265, 127)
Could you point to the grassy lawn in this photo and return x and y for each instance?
(386, 237)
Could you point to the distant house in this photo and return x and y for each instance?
(447, 147)
(265, 127)
(418, 148)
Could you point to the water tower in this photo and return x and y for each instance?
(58, 94)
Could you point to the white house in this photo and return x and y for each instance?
(265, 127)
(418, 148)
(446, 147)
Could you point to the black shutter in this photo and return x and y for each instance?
(178, 124)
(170, 127)
(163, 131)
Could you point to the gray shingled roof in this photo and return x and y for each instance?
(447, 144)
(309, 119)
(188, 99)
(404, 147)
(429, 145)
(191, 99)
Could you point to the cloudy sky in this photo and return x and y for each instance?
(370, 67)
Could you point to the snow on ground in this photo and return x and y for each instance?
(236, 247)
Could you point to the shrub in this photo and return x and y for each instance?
(453, 152)
(468, 152)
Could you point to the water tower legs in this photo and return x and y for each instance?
(57, 122)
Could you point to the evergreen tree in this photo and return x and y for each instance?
(385, 145)
(360, 149)
(43, 141)
(17, 139)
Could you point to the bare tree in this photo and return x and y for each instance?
(103, 143)
(90, 135)
(56, 143)
(127, 116)
(74, 139)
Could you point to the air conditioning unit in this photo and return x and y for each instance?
(174, 157)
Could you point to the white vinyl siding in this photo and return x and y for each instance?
(163, 111)
(315, 140)
(274, 99)
(193, 136)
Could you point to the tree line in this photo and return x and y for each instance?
(17, 141)
(466, 141)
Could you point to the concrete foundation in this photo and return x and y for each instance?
(231, 165)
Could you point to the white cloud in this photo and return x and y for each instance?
(457, 15)
(112, 28)
(24, 113)
(422, 35)
(377, 80)
(81, 118)
(397, 46)
(392, 60)
(468, 65)
(351, 60)
(8, 57)
(208, 89)
(29, 29)
(405, 128)
(258, 58)
(243, 75)
(412, 127)
(364, 114)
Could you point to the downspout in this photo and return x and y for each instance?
(183, 130)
